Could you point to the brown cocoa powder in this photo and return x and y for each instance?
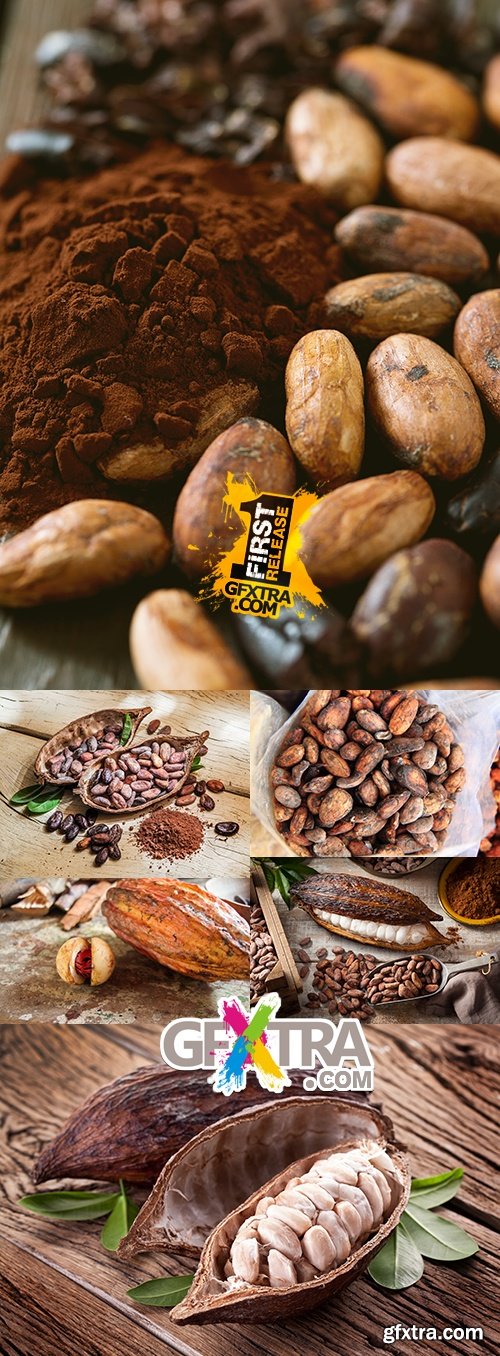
(128, 297)
(473, 889)
(173, 834)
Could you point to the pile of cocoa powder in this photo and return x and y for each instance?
(143, 310)
(171, 834)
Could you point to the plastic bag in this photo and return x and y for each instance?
(474, 718)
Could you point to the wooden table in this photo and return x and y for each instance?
(60, 1292)
(27, 719)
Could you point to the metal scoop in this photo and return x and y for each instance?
(447, 971)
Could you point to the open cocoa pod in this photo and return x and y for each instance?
(369, 911)
(70, 745)
(206, 1179)
(305, 1235)
(141, 776)
(131, 1126)
(182, 926)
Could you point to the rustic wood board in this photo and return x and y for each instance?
(61, 1291)
(28, 718)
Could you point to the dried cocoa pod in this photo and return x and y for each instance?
(351, 531)
(334, 148)
(286, 1288)
(288, 1124)
(384, 915)
(132, 1125)
(425, 406)
(174, 644)
(400, 591)
(436, 175)
(79, 731)
(382, 304)
(325, 419)
(78, 550)
(406, 96)
(182, 926)
(476, 345)
(201, 530)
(390, 238)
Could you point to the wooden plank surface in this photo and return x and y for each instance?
(24, 24)
(27, 719)
(441, 1086)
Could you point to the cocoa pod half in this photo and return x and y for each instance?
(130, 1127)
(80, 730)
(181, 926)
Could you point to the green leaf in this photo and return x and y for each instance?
(432, 1191)
(196, 763)
(437, 1237)
(163, 1293)
(70, 1205)
(26, 793)
(118, 1223)
(399, 1263)
(51, 802)
(126, 729)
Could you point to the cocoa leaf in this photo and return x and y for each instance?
(118, 1222)
(164, 1293)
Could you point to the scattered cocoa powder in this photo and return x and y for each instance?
(473, 889)
(130, 296)
(171, 834)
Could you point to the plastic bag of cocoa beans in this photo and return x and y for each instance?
(416, 782)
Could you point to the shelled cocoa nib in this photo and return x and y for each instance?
(262, 954)
(410, 978)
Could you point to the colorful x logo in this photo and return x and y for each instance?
(250, 1048)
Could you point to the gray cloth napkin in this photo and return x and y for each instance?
(468, 997)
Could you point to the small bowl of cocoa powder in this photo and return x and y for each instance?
(469, 890)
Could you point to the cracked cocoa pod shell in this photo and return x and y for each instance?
(129, 1127)
(389, 238)
(93, 724)
(384, 915)
(476, 344)
(210, 1300)
(206, 1179)
(406, 96)
(181, 926)
(415, 611)
(446, 177)
(425, 406)
(191, 743)
(381, 304)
